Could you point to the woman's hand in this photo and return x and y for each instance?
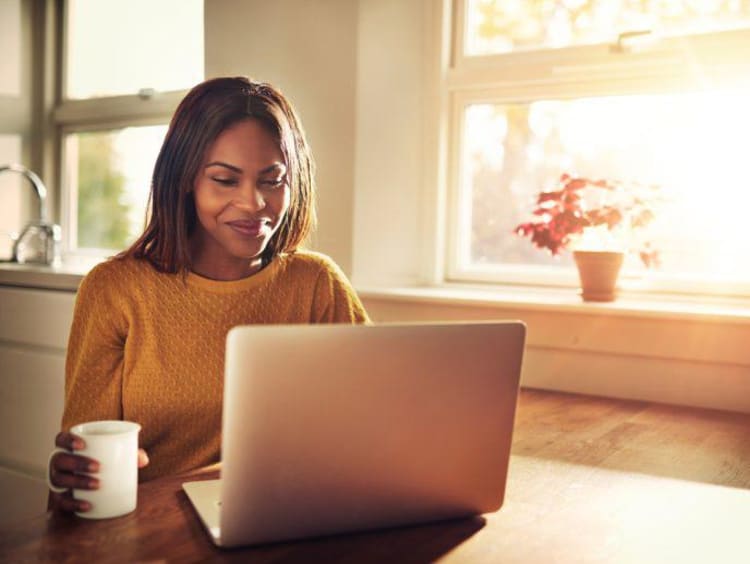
(66, 470)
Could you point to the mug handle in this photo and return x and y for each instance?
(50, 485)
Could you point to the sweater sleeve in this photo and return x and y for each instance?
(335, 298)
(94, 362)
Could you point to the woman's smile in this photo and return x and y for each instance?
(250, 227)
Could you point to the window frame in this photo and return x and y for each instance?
(663, 65)
(104, 113)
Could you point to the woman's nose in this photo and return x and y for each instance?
(250, 198)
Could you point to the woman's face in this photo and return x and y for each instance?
(241, 196)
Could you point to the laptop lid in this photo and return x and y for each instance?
(335, 428)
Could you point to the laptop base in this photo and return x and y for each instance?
(204, 495)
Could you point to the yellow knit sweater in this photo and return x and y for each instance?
(149, 347)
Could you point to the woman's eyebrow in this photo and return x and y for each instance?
(233, 168)
(281, 167)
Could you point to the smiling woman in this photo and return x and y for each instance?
(239, 205)
(249, 131)
(232, 202)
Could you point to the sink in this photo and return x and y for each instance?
(39, 241)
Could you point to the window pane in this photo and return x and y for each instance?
(111, 172)
(500, 26)
(14, 192)
(10, 47)
(693, 145)
(116, 47)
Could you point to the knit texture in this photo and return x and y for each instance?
(149, 347)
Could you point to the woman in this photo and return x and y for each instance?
(232, 199)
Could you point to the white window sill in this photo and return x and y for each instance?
(567, 300)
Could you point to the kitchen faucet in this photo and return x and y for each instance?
(48, 235)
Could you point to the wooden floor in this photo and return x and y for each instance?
(660, 440)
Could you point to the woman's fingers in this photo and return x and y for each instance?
(74, 481)
(66, 471)
(142, 458)
(69, 441)
(66, 502)
(63, 474)
(64, 462)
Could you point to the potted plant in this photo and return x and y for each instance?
(600, 220)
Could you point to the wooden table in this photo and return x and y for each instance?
(591, 480)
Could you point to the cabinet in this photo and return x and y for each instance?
(34, 328)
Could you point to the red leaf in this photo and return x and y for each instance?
(575, 184)
(548, 196)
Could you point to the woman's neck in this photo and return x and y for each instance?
(215, 265)
(227, 271)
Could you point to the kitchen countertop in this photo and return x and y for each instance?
(65, 277)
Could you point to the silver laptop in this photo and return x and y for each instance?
(336, 428)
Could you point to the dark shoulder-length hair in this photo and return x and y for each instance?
(206, 111)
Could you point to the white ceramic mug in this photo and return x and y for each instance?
(114, 444)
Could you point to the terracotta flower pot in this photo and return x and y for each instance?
(598, 272)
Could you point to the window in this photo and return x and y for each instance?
(10, 46)
(109, 175)
(627, 90)
(126, 66)
(12, 191)
(15, 120)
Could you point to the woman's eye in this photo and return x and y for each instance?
(224, 181)
(275, 183)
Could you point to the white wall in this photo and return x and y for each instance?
(308, 50)
(392, 201)
(356, 71)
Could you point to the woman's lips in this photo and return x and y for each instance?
(248, 228)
